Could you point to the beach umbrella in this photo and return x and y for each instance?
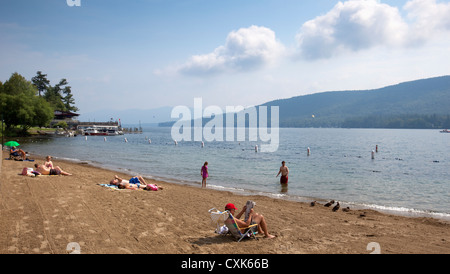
(12, 144)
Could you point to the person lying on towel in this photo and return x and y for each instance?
(50, 171)
(136, 182)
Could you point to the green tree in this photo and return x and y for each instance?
(60, 96)
(44, 113)
(41, 82)
(21, 105)
(18, 85)
(54, 98)
(68, 100)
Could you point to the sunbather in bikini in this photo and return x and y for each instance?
(136, 182)
(50, 171)
(48, 162)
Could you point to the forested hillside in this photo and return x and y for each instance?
(416, 104)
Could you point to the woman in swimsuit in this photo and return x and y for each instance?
(135, 183)
(204, 173)
(48, 162)
(50, 171)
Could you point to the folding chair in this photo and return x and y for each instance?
(218, 218)
(15, 156)
(233, 228)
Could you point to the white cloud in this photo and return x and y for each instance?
(352, 26)
(428, 18)
(357, 25)
(245, 49)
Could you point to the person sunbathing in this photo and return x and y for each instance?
(50, 171)
(48, 162)
(254, 218)
(136, 182)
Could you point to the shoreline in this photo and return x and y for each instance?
(45, 214)
(406, 208)
(398, 211)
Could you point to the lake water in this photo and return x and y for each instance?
(409, 175)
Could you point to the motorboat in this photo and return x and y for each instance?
(102, 131)
(95, 132)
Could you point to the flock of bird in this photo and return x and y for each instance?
(335, 208)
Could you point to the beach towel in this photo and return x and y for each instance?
(29, 172)
(109, 186)
(27, 160)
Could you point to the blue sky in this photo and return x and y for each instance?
(145, 54)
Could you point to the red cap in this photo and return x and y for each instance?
(230, 206)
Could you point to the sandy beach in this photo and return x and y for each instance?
(41, 215)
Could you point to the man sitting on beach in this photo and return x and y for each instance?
(18, 152)
(50, 171)
(136, 182)
(254, 218)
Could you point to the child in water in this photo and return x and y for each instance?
(204, 173)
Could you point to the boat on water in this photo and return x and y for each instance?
(445, 131)
(94, 132)
(102, 131)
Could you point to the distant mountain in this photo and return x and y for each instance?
(416, 104)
